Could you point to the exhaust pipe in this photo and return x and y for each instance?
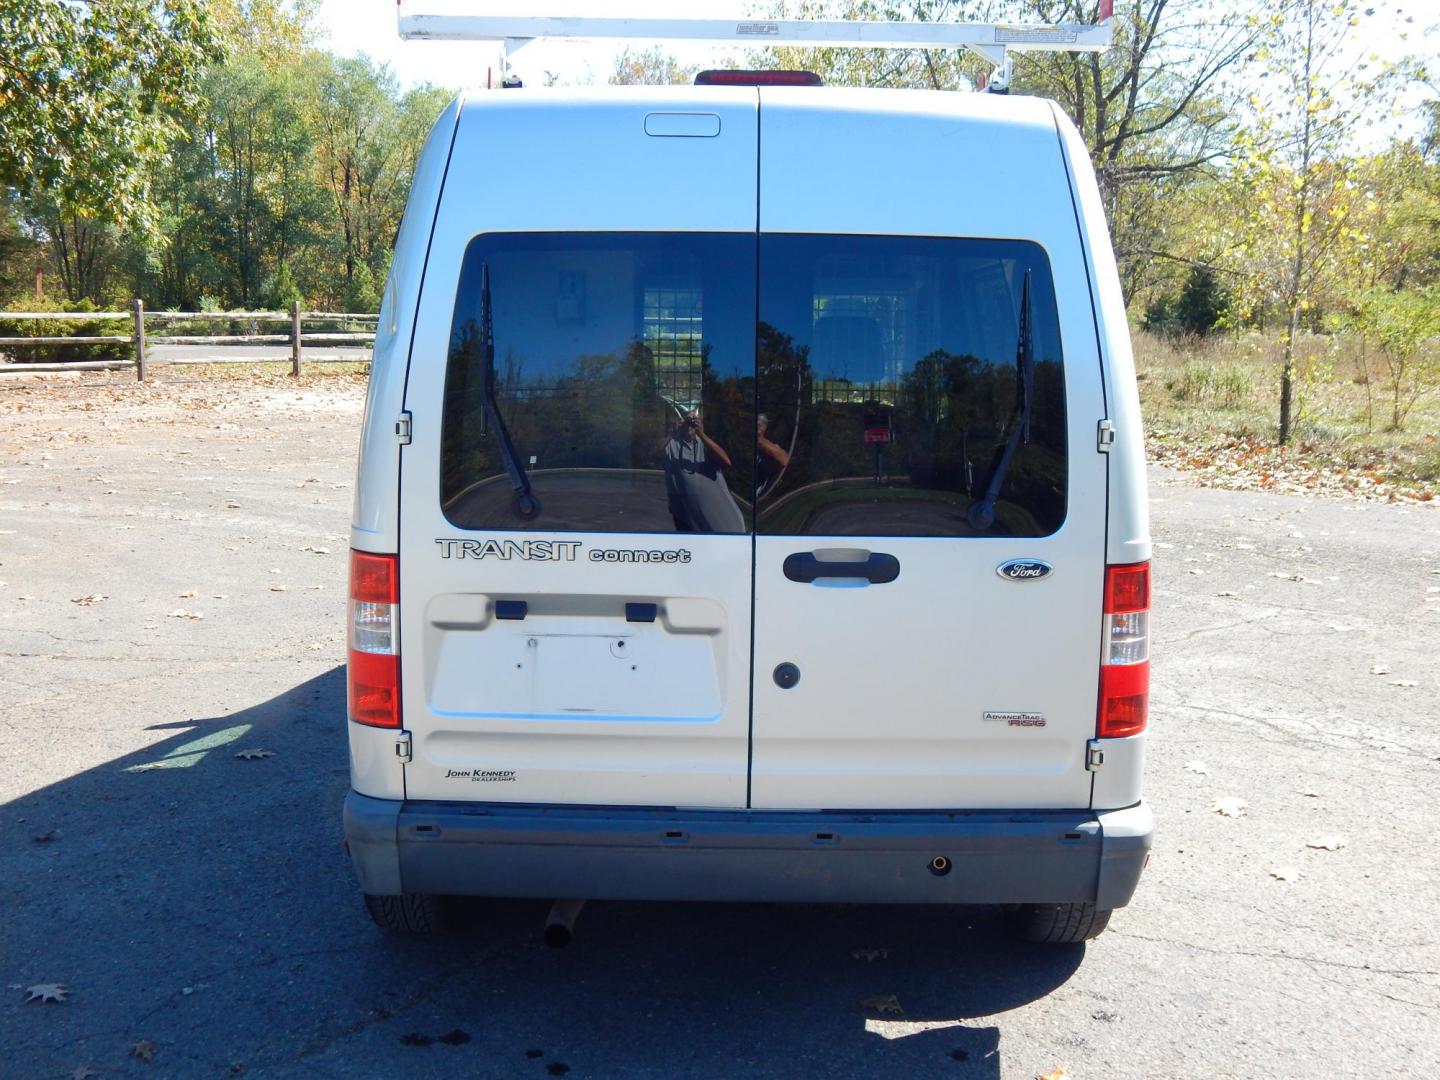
(560, 923)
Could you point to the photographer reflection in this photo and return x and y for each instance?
(771, 458)
(700, 500)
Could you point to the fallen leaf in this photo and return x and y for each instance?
(252, 755)
(1197, 767)
(180, 613)
(44, 837)
(1230, 806)
(316, 550)
(882, 1003)
(1309, 793)
(871, 955)
(1285, 873)
(1230, 595)
(1380, 669)
(1403, 682)
(86, 601)
(189, 594)
(143, 1049)
(1327, 843)
(47, 992)
(277, 588)
(1057, 1073)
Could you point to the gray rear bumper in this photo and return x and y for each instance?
(620, 853)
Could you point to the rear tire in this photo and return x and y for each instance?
(1061, 924)
(412, 913)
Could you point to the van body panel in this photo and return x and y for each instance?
(949, 686)
(572, 702)
(375, 521)
(1128, 528)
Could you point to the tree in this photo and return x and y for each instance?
(1156, 111)
(91, 96)
(650, 67)
(1313, 102)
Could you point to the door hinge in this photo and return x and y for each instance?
(402, 428)
(1105, 436)
(403, 746)
(1094, 755)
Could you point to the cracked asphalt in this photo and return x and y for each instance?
(172, 560)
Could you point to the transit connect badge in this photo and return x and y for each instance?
(1024, 570)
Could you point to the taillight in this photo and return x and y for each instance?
(374, 684)
(1125, 652)
(766, 77)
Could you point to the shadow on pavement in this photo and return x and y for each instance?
(202, 902)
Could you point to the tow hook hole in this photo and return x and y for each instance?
(824, 837)
(939, 866)
(424, 828)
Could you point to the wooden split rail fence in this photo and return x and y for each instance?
(140, 340)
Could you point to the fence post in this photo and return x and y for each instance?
(295, 338)
(139, 308)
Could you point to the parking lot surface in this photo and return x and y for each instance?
(172, 576)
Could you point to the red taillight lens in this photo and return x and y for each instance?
(1125, 655)
(1127, 588)
(1124, 699)
(373, 578)
(374, 658)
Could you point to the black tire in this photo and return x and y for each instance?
(411, 913)
(1061, 924)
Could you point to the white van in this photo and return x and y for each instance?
(751, 507)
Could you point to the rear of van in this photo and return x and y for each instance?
(751, 507)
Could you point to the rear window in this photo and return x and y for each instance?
(648, 382)
(619, 392)
(890, 389)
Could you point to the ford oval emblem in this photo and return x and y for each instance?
(1024, 570)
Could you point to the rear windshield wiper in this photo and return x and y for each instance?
(526, 505)
(982, 513)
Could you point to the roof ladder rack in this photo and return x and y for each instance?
(992, 41)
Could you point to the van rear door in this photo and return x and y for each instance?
(915, 645)
(576, 499)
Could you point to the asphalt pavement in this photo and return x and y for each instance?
(173, 561)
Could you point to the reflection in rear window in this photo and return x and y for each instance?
(615, 390)
(625, 382)
(892, 388)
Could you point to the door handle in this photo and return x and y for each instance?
(804, 567)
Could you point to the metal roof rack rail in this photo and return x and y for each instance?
(992, 41)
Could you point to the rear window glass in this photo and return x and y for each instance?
(648, 382)
(615, 390)
(891, 388)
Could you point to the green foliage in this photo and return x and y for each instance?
(1200, 307)
(650, 67)
(91, 95)
(1405, 326)
(362, 295)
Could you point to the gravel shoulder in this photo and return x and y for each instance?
(173, 558)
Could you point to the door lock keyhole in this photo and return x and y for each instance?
(787, 676)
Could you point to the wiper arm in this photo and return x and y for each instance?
(526, 505)
(982, 513)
